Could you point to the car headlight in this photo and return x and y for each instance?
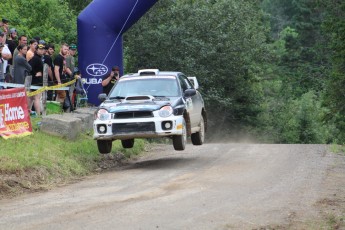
(103, 115)
(165, 111)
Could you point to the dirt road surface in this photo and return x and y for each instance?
(214, 186)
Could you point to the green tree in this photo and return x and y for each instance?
(77, 5)
(295, 121)
(52, 20)
(334, 100)
(221, 42)
(305, 63)
(298, 73)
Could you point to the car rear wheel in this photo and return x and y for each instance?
(198, 138)
(127, 144)
(180, 141)
(104, 146)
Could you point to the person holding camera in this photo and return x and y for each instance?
(109, 80)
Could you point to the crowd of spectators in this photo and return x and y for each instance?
(18, 59)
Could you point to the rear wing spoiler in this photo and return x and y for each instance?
(194, 81)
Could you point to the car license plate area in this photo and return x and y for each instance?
(121, 128)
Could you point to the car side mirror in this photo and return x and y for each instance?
(102, 97)
(189, 92)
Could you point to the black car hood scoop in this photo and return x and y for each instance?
(138, 98)
(145, 98)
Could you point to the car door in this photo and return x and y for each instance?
(194, 103)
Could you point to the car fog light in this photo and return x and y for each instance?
(166, 125)
(102, 129)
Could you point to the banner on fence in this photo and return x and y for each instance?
(14, 114)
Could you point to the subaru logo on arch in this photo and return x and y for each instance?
(96, 69)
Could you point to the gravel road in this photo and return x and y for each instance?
(214, 186)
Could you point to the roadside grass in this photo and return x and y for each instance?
(331, 221)
(55, 158)
(339, 149)
(335, 148)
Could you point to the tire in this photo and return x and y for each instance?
(104, 146)
(180, 141)
(127, 144)
(198, 138)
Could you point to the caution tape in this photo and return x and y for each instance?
(45, 88)
(40, 89)
(14, 85)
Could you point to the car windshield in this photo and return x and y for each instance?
(157, 87)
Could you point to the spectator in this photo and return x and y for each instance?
(37, 77)
(50, 49)
(70, 61)
(12, 43)
(37, 38)
(22, 67)
(49, 61)
(2, 75)
(32, 49)
(5, 53)
(60, 71)
(110, 79)
(73, 72)
(22, 40)
(4, 25)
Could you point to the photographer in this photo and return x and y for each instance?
(110, 79)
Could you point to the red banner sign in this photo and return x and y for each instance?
(14, 114)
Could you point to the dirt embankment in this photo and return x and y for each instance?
(13, 185)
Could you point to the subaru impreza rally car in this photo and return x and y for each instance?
(150, 104)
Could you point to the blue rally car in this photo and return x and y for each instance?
(149, 104)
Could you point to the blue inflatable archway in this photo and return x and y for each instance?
(100, 28)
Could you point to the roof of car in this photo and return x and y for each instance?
(152, 72)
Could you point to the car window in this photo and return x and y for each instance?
(184, 82)
(146, 86)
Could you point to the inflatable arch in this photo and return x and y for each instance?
(100, 28)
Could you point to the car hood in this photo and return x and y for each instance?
(140, 103)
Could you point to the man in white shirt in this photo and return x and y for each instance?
(6, 53)
(2, 75)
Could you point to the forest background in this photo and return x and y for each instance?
(269, 70)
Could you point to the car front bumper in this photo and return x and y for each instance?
(137, 128)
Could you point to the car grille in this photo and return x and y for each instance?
(133, 127)
(133, 114)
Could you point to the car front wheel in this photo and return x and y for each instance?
(104, 146)
(198, 138)
(180, 141)
(127, 144)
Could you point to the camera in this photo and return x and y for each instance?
(116, 74)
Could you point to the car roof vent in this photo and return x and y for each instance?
(148, 72)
